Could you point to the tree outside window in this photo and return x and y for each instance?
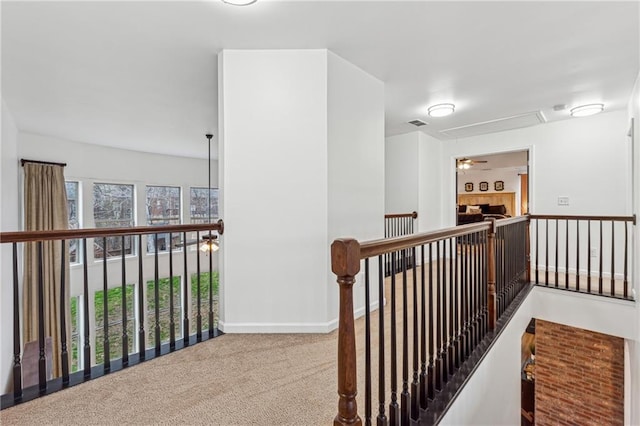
(163, 208)
(74, 222)
(199, 213)
(113, 207)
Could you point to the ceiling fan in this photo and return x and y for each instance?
(465, 163)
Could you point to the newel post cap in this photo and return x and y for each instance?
(345, 257)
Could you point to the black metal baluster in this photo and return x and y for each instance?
(537, 262)
(467, 315)
(424, 396)
(105, 310)
(588, 256)
(443, 348)
(64, 352)
(456, 318)
(438, 378)
(185, 297)
(85, 297)
(17, 364)
(546, 272)
(626, 260)
(42, 360)
(405, 398)
(577, 255)
(172, 325)
(555, 281)
(613, 258)
(415, 384)
(451, 334)
(125, 335)
(600, 262)
(367, 346)
(382, 418)
(141, 314)
(156, 294)
(566, 254)
(199, 316)
(394, 408)
(431, 369)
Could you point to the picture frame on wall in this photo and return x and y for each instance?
(498, 185)
(468, 187)
(484, 186)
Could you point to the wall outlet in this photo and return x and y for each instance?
(563, 201)
(593, 252)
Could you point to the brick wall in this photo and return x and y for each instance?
(579, 376)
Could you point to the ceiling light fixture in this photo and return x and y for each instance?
(441, 110)
(585, 110)
(240, 2)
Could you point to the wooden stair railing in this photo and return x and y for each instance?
(453, 308)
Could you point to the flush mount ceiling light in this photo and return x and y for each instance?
(239, 2)
(585, 110)
(441, 110)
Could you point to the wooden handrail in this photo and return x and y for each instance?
(511, 220)
(400, 215)
(567, 217)
(389, 245)
(71, 234)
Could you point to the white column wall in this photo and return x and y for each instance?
(356, 165)
(634, 345)
(9, 221)
(430, 183)
(401, 165)
(273, 127)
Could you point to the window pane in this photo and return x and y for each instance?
(113, 208)
(199, 202)
(74, 223)
(163, 208)
(204, 300)
(75, 334)
(114, 320)
(164, 317)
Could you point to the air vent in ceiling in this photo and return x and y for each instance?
(418, 123)
(497, 125)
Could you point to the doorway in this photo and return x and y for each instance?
(492, 186)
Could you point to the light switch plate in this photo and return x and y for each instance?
(563, 201)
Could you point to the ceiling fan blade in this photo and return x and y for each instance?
(188, 243)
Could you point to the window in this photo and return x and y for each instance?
(163, 208)
(75, 334)
(204, 300)
(114, 321)
(198, 206)
(74, 222)
(164, 318)
(113, 208)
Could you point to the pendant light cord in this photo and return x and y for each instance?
(209, 136)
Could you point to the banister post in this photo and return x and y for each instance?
(345, 263)
(528, 248)
(491, 275)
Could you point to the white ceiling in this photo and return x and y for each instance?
(142, 75)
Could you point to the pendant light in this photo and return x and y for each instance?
(209, 242)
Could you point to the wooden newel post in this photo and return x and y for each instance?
(491, 275)
(345, 263)
(527, 248)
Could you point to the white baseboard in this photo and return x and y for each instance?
(287, 327)
(583, 272)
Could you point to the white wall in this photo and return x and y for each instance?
(401, 165)
(413, 178)
(8, 222)
(356, 165)
(302, 163)
(430, 183)
(273, 126)
(634, 346)
(500, 369)
(585, 159)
